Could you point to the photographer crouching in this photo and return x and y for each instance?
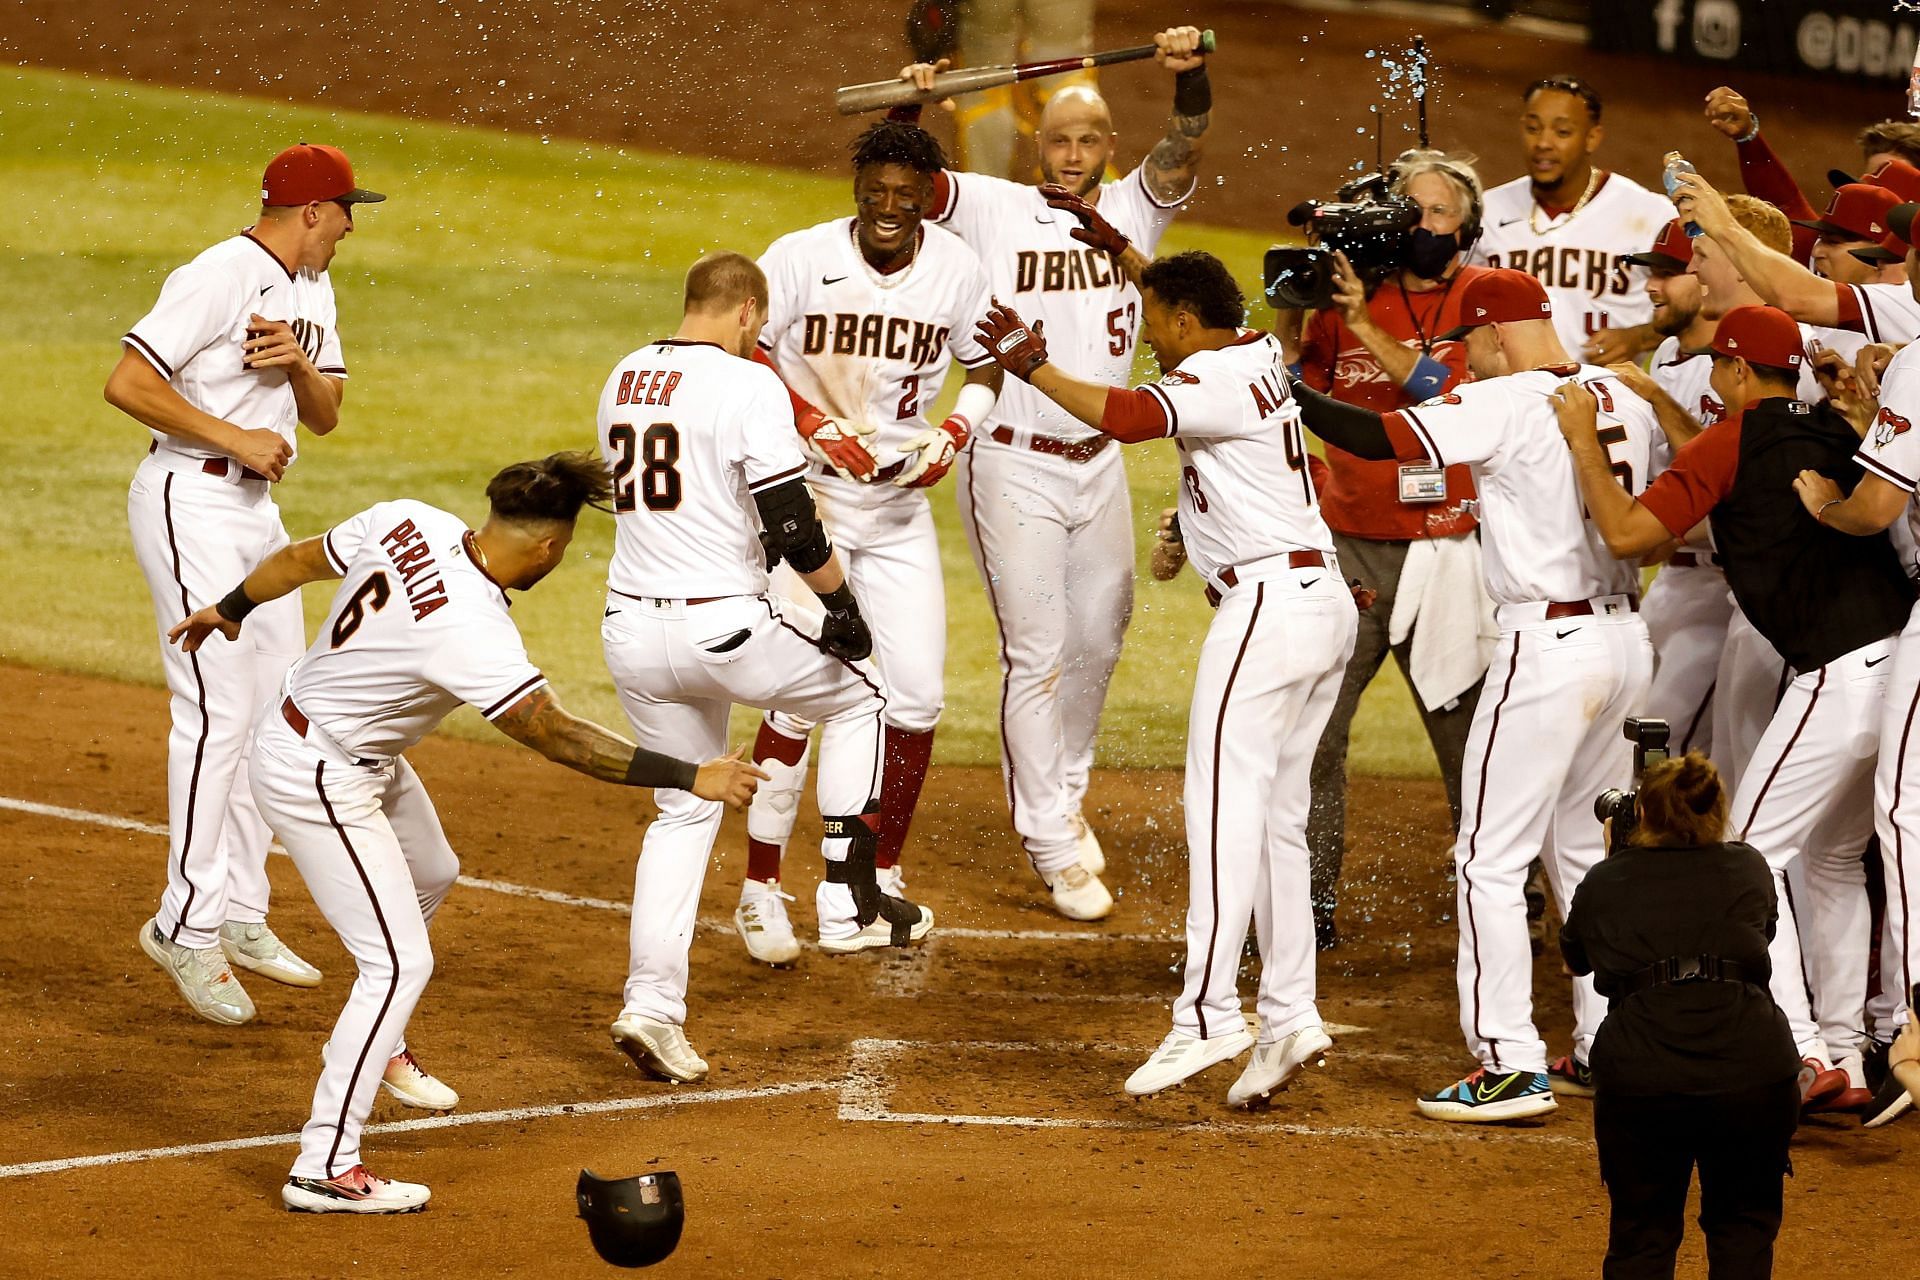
(1695, 1064)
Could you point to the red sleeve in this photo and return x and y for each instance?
(1317, 347)
(1767, 177)
(1701, 475)
(1850, 315)
(1408, 445)
(804, 413)
(1133, 416)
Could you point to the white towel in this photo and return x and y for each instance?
(1442, 602)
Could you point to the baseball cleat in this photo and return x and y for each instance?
(892, 880)
(406, 1080)
(1092, 856)
(1488, 1096)
(1079, 895)
(1275, 1064)
(202, 975)
(762, 923)
(1888, 1105)
(659, 1049)
(1570, 1077)
(1819, 1084)
(355, 1191)
(1181, 1055)
(255, 948)
(841, 932)
(1856, 1096)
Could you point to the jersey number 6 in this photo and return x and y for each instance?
(659, 477)
(371, 594)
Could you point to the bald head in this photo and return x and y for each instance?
(1076, 138)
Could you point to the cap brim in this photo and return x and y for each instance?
(1878, 253)
(1838, 178)
(1458, 332)
(358, 196)
(1826, 228)
(1659, 262)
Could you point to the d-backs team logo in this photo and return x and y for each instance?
(1179, 378)
(1888, 425)
(1447, 397)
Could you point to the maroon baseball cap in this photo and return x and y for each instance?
(1499, 295)
(1760, 335)
(1895, 175)
(1899, 237)
(1672, 250)
(1858, 211)
(308, 172)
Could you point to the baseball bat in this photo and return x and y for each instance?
(852, 99)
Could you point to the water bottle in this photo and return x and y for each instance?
(1677, 164)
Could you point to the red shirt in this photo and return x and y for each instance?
(1360, 498)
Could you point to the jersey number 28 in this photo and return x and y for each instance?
(659, 476)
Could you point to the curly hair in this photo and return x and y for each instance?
(1564, 83)
(1198, 282)
(896, 142)
(1682, 803)
(553, 488)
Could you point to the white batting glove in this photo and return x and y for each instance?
(933, 451)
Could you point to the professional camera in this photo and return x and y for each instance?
(1365, 221)
(1649, 739)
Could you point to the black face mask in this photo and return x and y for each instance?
(1429, 254)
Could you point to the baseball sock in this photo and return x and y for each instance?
(906, 771)
(784, 758)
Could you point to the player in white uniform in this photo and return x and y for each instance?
(419, 625)
(865, 314)
(1270, 667)
(1572, 225)
(1572, 663)
(1042, 498)
(705, 457)
(240, 350)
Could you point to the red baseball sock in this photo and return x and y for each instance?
(763, 859)
(906, 772)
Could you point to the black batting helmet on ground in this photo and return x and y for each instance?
(633, 1222)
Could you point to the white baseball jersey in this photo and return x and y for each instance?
(1684, 376)
(1539, 544)
(1580, 256)
(865, 346)
(196, 333)
(1245, 493)
(1887, 312)
(416, 629)
(1090, 309)
(1891, 449)
(692, 433)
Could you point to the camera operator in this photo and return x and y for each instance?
(1407, 531)
(1695, 1063)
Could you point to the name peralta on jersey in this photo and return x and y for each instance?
(416, 629)
(1580, 256)
(1090, 309)
(195, 336)
(861, 345)
(1245, 492)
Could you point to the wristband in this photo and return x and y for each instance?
(1753, 130)
(1820, 516)
(1428, 379)
(1192, 92)
(235, 606)
(652, 769)
(839, 600)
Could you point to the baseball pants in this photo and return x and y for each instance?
(195, 536)
(679, 668)
(1053, 540)
(1750, 681)
(1546, 742)
(1269, 671)
(992, 33)
(370, 847)
(1896, 814)
(1686, 611)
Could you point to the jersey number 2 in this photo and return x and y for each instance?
(372, 594)
(659, 477)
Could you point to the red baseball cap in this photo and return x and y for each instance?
(1895, 175)
(308, 172)
(1858, 211)
(1760, 335)
(1499, 295)
(1672, 250)
(1899, 237)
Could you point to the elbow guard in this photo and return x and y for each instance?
(792, 525)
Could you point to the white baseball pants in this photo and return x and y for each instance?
(1269, 672)
(370, 847)
(1546, 741)
(1896, 814)
(1053, 540)
(195, 536)
(679, 668)
(1748, 686)
(1686, 611)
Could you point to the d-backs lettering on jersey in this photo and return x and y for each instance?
(416, 629)
(1539, 543)
(1579, 256)
(195, 336)
(691, 433)
(1245, 492)
(1090, 310)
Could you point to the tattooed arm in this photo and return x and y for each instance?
(1173, 163)
(540, 722)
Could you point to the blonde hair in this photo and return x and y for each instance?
(1682, 804)
(1768, 225)
(724, 279)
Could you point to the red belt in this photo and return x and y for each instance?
(668, 599)
(1295, 560)
(217, 466)
(296, 719)
(1071, 450)
(1694, 560)
(1582, 608)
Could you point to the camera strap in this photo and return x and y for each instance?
(1678, 970)
(1413, 317)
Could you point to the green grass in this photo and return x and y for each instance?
(481, 308)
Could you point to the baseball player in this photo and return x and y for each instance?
(1270, 667)
(1572, 663)
(1572, 225)
(1042, 498)
(242, 347)
(865, 314)
(705, 457)
(419, 625)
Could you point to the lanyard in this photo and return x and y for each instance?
(1426, 343)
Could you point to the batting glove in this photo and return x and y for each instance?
(1093, 230)
(1014, 347)
(843, 632)
(841, 445)
(933, 451)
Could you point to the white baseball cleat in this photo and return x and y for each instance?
(1274, 1064)
(1181, 1055)
(660, 1049)
(406, 1080)
(202, 975)
(1079, 895)
(355, 1191)
(1092, 856)
(255, 948)
(762, 923)
(892, 880)
(840, 932)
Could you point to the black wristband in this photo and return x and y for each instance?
(1192, 92)
(234, 606)
(839, 600)
(651, 769)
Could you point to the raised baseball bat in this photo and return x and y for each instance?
(852, 99)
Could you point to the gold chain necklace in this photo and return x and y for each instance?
(1593, 184)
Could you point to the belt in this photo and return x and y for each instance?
(1694, 560)
(1295, 560)
(221, 467)
(297, 721)
(1680, 970)
(1071, 450)
(667, 599)
(1581, 608)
